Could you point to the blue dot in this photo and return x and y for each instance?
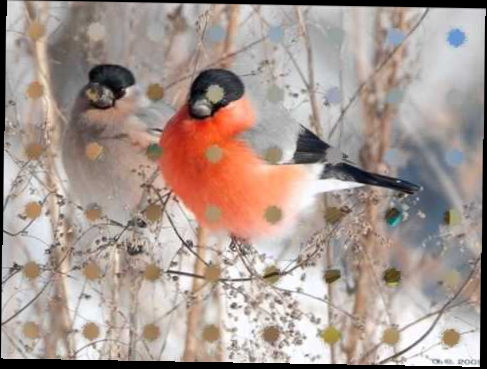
(216, 33)
(395, 36)
(454, 158)
(395, 96)
(276, 34)
(333, 95)
(456, 37)
(395, 158)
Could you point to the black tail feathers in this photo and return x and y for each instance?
(347, 172)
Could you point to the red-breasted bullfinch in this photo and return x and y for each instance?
(215, 152)
(104, 147)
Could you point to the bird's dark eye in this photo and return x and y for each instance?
(120, 93)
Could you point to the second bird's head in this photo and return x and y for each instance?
(108, 85)
(214, 90)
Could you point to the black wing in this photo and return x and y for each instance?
(311, 149)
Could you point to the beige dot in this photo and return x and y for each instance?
(152, 272)
(36, 30)
(92, 271)
(451, 337)
(452, 279)
(273, 155)
(31, 330)
(214, 154)
(35, 90)
(331, 335)
(93, 151)
(215, 94)
(391, 336)
(34, 151)
(91, 331)
(273, 214)
(153, 213)
(332, 275)
(32, 270)
(272, 274)
(271, 334)
(33, 210)
(211, 333)
(93, 212)
(213, 273)
(151, 332)
(155, 91)
(392, 277)
(453, 217)
(213, 213)
(275, 94)
(96, 32)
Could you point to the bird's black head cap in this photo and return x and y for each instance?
(115, 77)
(212, 90)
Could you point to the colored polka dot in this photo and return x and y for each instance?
(395, 158)
(456, 37)
(273, 214)
(154, 151)
(333, 215)
(394, 217)
(392, 277)
(153, 213)
(334, 156)
(92, 271)
(96, 32)
(451, 338)
(395, 36)
(93, 212)
(271, 274)
(332, 275)
(395, 96)
(34, 151)
(35, 90)
(275, 94)
(151, 332)
(36, 30)
(213, 213)
(91, 331)
(32, 270)
(331, 335)
(211, 333)
(215, 94)
(216, 33)
(271, 334)
(155, 91)
(333, 96)
(31, 330)
(273, 155)
(214, 154)
(276, 34)
(336, 36)
(391, 336)
(33, 210)
(213, 273)
(152, 272)
(94, 151)
(454, 158)
(452, 217)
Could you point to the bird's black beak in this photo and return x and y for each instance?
(200, 107)
(100, 96)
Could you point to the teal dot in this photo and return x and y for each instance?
(276, 34)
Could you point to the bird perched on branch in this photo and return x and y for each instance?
(247, 177)
(105, 146)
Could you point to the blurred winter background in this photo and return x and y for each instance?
(375, 277)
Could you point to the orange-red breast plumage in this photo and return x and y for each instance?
(249, 197)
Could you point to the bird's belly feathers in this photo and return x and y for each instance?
(234, 190)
